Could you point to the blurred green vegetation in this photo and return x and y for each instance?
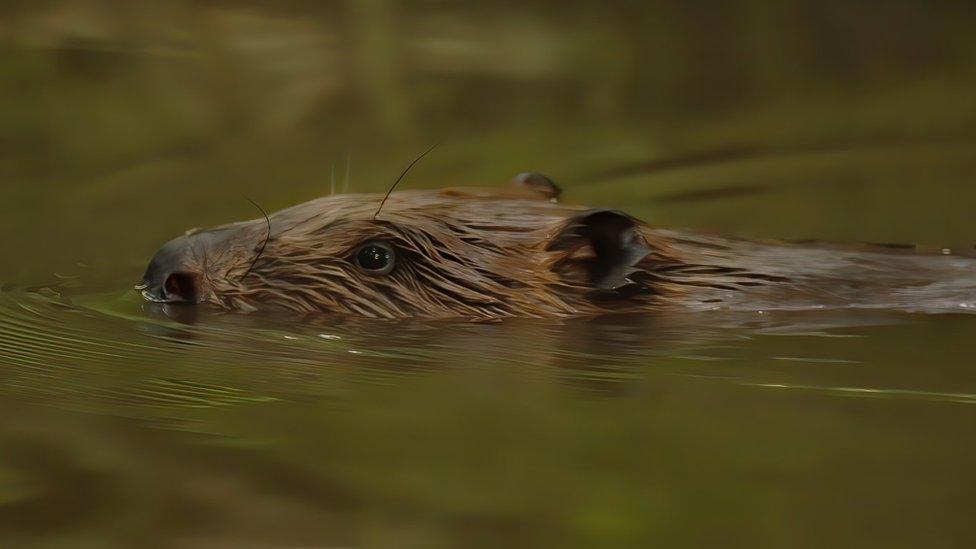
(100, 83)
(129, 122)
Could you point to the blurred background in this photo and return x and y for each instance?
(125, 123)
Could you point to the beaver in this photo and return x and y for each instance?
(518, 251)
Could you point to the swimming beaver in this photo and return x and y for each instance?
(518, 252)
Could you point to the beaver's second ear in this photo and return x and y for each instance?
(534, 184)
(603, 247)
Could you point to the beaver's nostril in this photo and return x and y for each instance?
(180, 287)
(173, 275)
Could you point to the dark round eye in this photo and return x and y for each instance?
(375, 258)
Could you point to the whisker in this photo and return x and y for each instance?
(332, 184)
(264, 245)
(397, 182)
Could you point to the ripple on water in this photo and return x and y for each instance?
(113, 353)
(59, 353)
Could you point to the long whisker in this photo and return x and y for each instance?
(397, 182)
(332, 184)
(264, 244)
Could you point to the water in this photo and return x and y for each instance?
(131, 424)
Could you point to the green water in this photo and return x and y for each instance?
(123, 425)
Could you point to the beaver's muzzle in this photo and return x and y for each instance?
(170, 277)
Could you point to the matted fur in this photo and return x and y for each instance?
(476, 254)
(456, 255)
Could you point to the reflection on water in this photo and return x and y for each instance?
(129, 424)
(122, 422)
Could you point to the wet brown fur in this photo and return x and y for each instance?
(516, 252)
(458, 253)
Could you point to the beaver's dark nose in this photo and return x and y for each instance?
(169, 277)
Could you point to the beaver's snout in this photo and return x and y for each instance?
(170, 277)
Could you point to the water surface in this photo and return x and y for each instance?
(130, 424)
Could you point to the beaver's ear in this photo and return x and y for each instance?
(603, 246)
(534, 184)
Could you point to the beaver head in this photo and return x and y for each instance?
(446, 253)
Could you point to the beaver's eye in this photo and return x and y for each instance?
(375, 258)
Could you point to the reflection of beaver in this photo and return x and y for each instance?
(516, 252)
